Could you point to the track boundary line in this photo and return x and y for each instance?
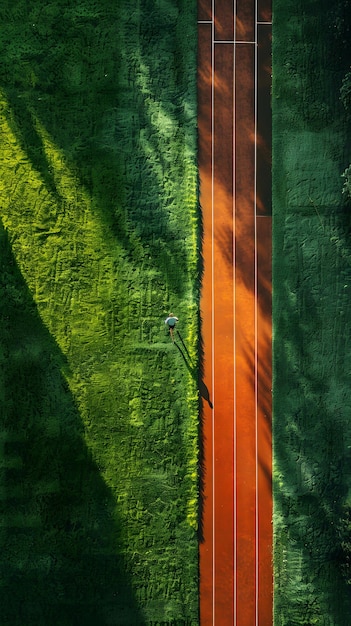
(256, 328)
(235, 502)
(213, 320)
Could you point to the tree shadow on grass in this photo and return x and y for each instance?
(61, 559)
(91, 77)
(311, 313)
(311, 409)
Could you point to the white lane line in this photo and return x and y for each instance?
(256, 332)
(233, 41)
(205, 21)
(235, 530)
(213, 324)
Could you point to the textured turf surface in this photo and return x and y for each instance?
(99, 240)
(311, 314)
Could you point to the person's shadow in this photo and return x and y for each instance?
(196, 373)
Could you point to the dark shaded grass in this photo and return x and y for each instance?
(311, 312)
(61, 551)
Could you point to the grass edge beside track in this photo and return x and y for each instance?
(311, 309)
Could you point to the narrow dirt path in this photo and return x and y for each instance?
(234, 161)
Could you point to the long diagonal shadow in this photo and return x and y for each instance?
(100, 121)
(196, 374)
(61, 562)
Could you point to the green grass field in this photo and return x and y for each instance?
(311, 315)
(99, 241)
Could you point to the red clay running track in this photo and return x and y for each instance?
(234, 160)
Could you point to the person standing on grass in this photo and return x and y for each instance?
(171, 322)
